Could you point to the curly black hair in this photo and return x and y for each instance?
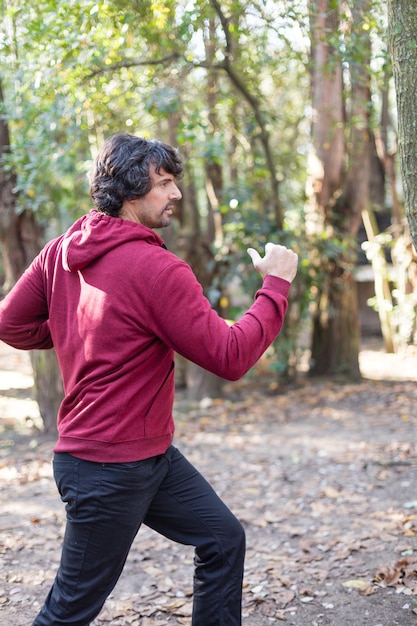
(121, 170)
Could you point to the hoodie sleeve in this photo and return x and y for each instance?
(24, 312)
(183, 318)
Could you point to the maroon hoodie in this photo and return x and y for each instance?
(116, 305)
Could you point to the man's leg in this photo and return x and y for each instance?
(187, 510)
(105, 505)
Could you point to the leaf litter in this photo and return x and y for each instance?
(322, 475)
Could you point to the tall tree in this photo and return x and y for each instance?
(20, 239)
(402, 16)
(340, 175)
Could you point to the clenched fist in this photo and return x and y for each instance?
(278, 261)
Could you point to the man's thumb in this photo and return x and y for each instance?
(254, 255)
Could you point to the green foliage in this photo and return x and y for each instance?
(82, 70)
(223, 80)
(247, 227)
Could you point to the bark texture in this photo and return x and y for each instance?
(402, 16)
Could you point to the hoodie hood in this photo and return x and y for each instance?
(95, 234)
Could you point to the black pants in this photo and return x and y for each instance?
(107, 502)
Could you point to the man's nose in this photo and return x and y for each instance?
(176, 194)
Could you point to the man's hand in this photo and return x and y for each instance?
(278, 261)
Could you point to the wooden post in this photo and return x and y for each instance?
(382, 289)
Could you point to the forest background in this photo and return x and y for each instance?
(286, 116)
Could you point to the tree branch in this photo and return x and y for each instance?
(126, 64)
(225, 25)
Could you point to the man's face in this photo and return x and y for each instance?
(155, 209)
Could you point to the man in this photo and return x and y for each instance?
(116, 304)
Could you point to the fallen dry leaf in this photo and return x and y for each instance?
(402, 574)
(320, 475)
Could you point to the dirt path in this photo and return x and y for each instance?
(322, 476)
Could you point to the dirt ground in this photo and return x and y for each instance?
(322, 475)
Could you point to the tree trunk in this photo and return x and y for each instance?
(337, 334)
(340, 193)
(335, 319)
(327, 161)
(48, 387)
(402, 16)
(20, 241)
(202, 384)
